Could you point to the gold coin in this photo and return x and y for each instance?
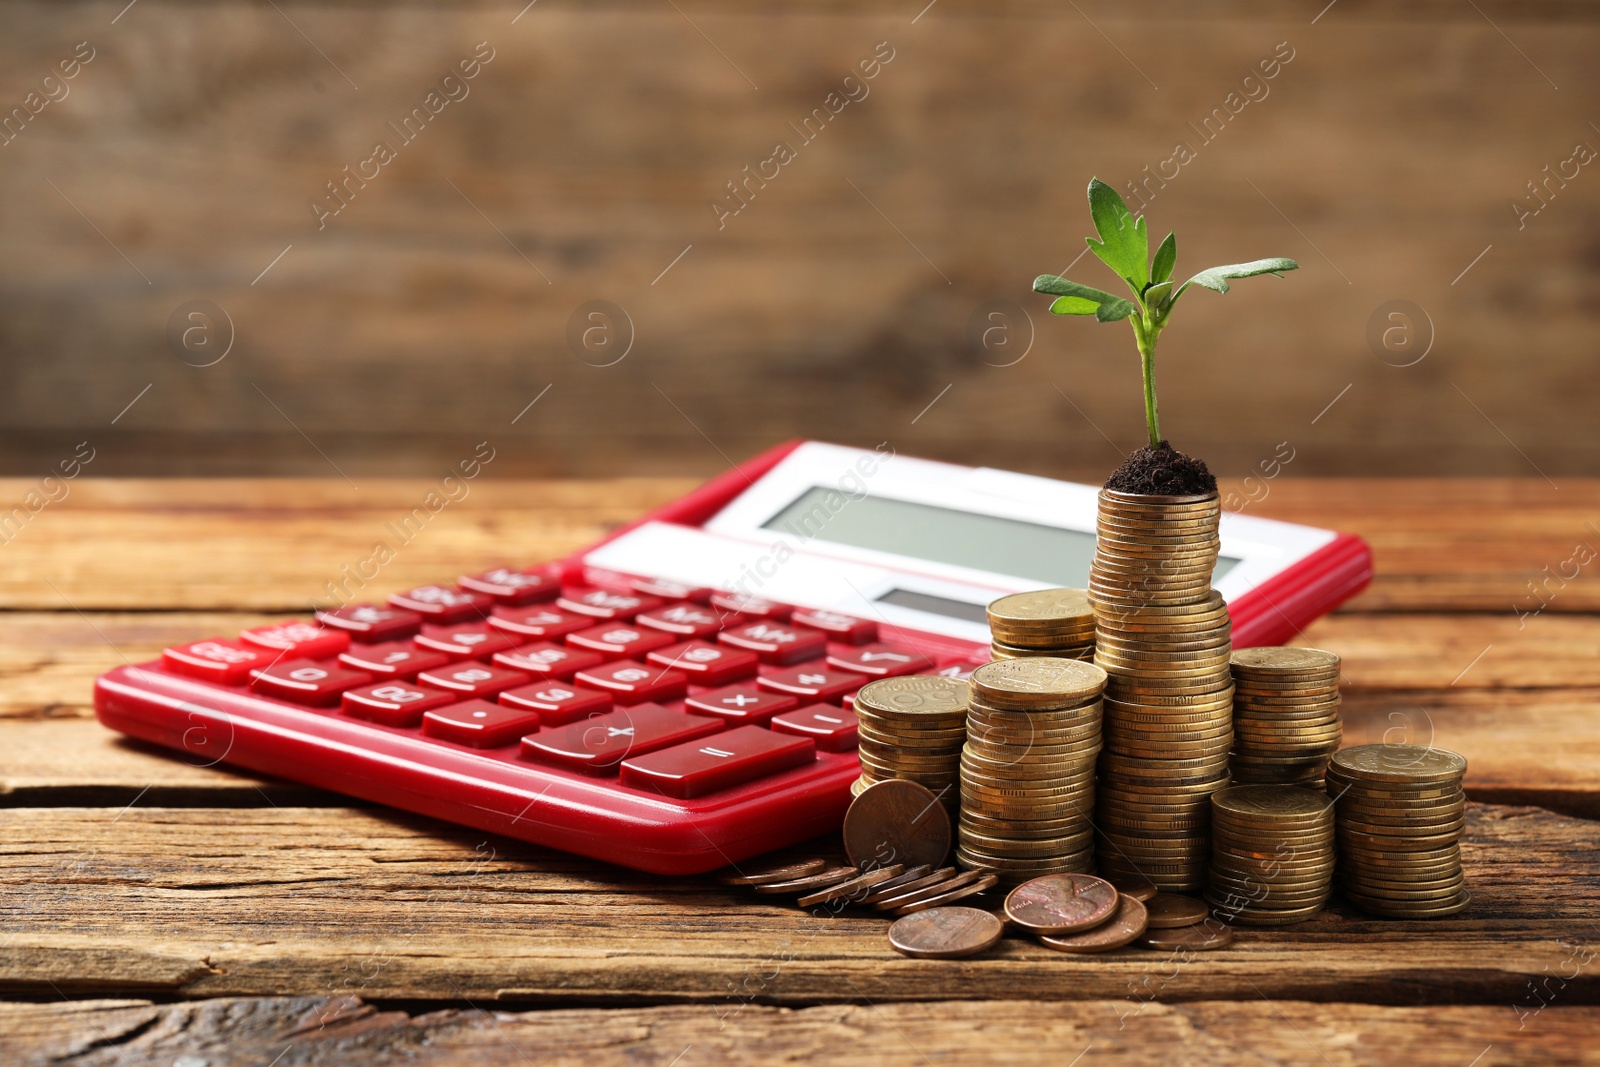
(1036, 682)
(913, 696)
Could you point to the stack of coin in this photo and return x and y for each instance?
(1164, 637)
(1285, 715)
(1400, 812)
(1047, 622)
(1028, 768)
(1271, 854)
(912, 727)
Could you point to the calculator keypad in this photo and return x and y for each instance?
(443, 603)
(480, 724)
(597, 745)
(723, 760)
(305, 681)
(371, 622)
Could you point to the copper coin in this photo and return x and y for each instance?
(853, 889)
(1137, 888)
(928, 892)
(1129, 922)
(1197, 937)
(971, 889)
(896, 821)
(766, 873)
(831, 876)
(945, 933)
(914, 879)
(1062, 903)
(1169, 910)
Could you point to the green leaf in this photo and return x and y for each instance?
(1216, 278)
(1124, 245)
(1078, 299)
(1166, 259)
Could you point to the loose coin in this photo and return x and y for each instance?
(1169, 910)
(945, 933)
(774, 871)
(971, 889)
(912, 896)
(853, 889)
(830, 876)
(897, 821)
(1197, 937)
(1128, 923)
(1061, 903)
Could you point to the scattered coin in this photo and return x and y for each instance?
(853, 889)
(896, 821)
(945, 933)
(830, 876)
(1198, 937)
(915, 878)
(929, 892)
(982, 885)
(1137, 888)
(1169, 910)
(772, 871)
(1129, 922)
(1061, 903)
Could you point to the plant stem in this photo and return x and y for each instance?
(1145, 334)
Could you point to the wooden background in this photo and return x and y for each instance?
(836, 305)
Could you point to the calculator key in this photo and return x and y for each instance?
(542, 621)
(467, 640)
(811, 682)
(705, 663)
(442, 603)
(685, 620)
(880, 660)
(731, 758)
(371, 623)
(304, 682)
(958, 667)
(669, 590)
(833, 729)
(756, 607)
(631, 682)
(217, 660)
(298, 639)
(605, 604)
(742, 703)
(394, 703)
(533, 585)
(548, 661)
(616, 639)
(845, 628)
(473, 679)
(599, 743)
(775, 642)
(392, 659)
(556, 702)
(479, 723)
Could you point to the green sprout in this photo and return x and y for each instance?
(1124, 246)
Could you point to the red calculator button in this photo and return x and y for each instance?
(556, 702)
(619, 639)
(305, 640)
(546, 622)
(442, 603)
(959, 668)
(604, 604)
(305, 682)
(467, 640)
(371, 622)
(730, 758)
(685, 620)
(775, 642)
(394, 703)
(880, 660)
(598, 744)
(740, 703)
(756, 607)
(705, 663)
(473, 679)
(811, 682)
(217, 660)
(547, 660)
(631, 682)
(479, 723)
(507, 586)
(668, 590)
(833, 729)
(393, 659)
(846, 628)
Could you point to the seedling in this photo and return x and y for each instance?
(1124, 246)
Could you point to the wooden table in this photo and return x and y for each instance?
(164, 913)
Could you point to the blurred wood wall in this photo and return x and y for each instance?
(582, 164)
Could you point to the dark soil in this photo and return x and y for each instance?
(1162, 471)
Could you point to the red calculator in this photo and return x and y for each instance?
(677, 697)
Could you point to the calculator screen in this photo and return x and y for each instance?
(1031, 550)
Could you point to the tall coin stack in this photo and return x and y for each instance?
(1400, 813)
(1028, 768)
(1271, 854)
(1163, 636)
(1047, 622)
(1285, 715)
(912, 727)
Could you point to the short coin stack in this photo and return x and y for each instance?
(1028, 768)
(912, 727)
(1047, 622)
(1285, 715)
(1271, 854)
(1400, 813)
(1163, 637)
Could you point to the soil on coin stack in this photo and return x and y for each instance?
(1162, 471)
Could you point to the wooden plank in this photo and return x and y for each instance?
(346, 1030)
(222, 902)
